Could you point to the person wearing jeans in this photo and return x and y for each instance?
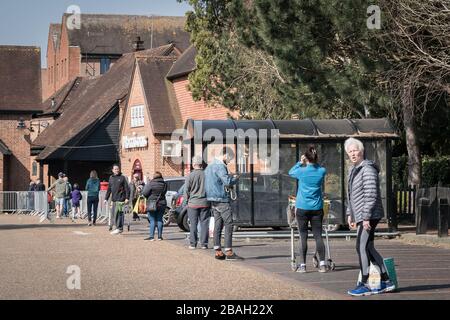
(156, 190)
(93, 189)
(217, 181)
(198, 206)
(309, 205)
(120, 194)
(364, 211)
(156, 222)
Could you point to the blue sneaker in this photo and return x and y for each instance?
(360, 290)
(385, 286)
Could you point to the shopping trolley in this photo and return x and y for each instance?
(292, 221)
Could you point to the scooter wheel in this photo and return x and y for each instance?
(331, 264)
(315, 262)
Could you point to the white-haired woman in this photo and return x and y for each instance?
(364, 211)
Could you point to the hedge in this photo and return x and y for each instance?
(434, 170)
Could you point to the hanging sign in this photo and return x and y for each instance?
(134, 142)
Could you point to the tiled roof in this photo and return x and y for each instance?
(116, 34)
(184, 65)
(20, 78)
(93, 100)
(162, 107)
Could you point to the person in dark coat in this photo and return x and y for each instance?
(39, 185)
(156, 190)
(76, 197)
(120, 194)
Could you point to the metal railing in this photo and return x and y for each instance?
(35, 203)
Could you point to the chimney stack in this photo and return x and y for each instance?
(138, 44)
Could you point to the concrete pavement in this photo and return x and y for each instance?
(34, 259)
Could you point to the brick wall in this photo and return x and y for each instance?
(18, 167)
(150, 156)
(196, 110)
(63, 64)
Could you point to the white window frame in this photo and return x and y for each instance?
(137, 116)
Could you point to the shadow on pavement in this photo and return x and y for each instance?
(346, 268)
(268, 257)
(38, 226)
(424, 288)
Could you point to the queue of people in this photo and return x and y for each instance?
(206, 194)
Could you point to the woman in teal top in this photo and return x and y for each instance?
(93, 189)
(309, 204)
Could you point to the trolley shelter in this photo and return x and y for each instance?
(262, 193)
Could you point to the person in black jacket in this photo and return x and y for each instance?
(39, 185)
(156, 190)
(120, 193)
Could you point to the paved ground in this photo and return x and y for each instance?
(423, 272)
(34, 259)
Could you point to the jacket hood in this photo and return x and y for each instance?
(365, 163)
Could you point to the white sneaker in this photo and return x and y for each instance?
(117, 231)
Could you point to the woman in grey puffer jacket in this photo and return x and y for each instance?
(365, 210)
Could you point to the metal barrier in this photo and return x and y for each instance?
(35, 203)
(28, 202)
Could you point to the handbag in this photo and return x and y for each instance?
(153, 204)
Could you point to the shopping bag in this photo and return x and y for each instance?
(375, 274)
(140, 205)
(374, 281)
(211, 227)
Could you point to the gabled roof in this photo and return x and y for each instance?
(184, 65)
(55, 34)
(4, 149)
(63, 96)
(116, 34)
(158, 93)
(94, 99)
(20, 78)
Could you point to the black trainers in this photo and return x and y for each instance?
(232, 257)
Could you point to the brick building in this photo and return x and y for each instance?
(20, 98)
(159, 103)
(100, 42)
(84, 133)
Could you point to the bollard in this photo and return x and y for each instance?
(443, 218)
(422, 215)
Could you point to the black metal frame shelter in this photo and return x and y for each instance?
(262, 199)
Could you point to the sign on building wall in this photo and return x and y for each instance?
(134, 142)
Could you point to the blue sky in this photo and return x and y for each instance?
(26, 22)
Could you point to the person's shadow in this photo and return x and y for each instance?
(425, 287)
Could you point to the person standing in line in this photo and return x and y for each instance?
(136, 188)
(198, 205)
(76, 197)
(61, 189)
(39, 185)
(364, 211)
(309, 205)
(120, 194)
(30, 195)
(67, 203)
(93, 189)
(155, 191)
(217, 181)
